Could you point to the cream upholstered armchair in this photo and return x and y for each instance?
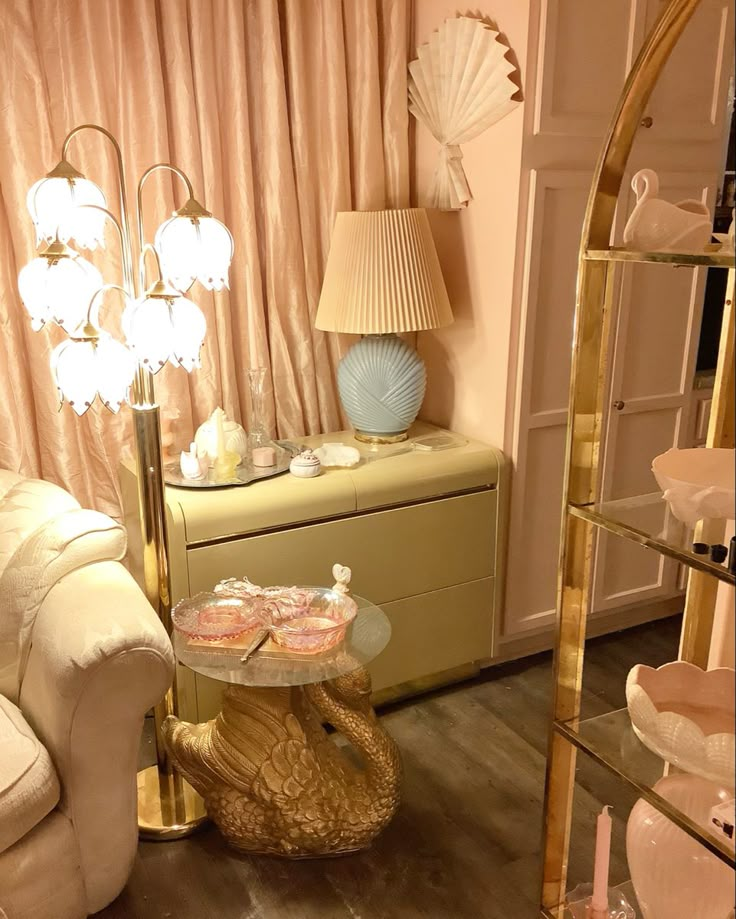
(83, 656)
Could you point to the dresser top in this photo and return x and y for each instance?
(385, 478)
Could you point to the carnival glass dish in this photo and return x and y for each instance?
(214, 617)
(315, 626)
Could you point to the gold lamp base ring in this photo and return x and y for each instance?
(168, 806)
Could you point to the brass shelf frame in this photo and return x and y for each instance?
(598, 262)
(596, 515)
(676, 259)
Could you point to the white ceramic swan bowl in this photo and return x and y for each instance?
(656, 225)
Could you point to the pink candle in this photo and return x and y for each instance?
(599, 901)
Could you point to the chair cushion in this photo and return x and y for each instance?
(29, 787)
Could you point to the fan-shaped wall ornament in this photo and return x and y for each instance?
(459, 85)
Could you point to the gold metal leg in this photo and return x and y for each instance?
(275, 783)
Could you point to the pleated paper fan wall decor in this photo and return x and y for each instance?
(459, 85)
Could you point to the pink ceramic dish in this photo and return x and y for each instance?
(213, 617)
(686, 716)
(313, 627)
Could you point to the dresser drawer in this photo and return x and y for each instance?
(394, 553)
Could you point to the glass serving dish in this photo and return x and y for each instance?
(216, 617)
(316, 626)
(305, 619)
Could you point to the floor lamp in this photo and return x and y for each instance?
(161, 326)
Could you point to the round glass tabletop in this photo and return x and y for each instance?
(367, 636)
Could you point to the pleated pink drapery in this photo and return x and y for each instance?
(281, 113)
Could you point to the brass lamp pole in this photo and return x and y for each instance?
(55, 287)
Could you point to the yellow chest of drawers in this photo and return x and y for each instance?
(422, 532)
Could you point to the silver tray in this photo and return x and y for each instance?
(245, 474)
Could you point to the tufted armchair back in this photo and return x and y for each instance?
(44, 535)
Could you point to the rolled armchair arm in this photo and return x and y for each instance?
(99, 660)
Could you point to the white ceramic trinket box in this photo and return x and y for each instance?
(306, 465)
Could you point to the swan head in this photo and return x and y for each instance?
(645, 183)
(355, 688)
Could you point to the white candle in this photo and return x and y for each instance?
(599, 901)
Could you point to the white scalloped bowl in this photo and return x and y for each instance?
(686, 716)
(698, 483)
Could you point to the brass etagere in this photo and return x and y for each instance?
(584, 512)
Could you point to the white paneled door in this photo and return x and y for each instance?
(580, 52)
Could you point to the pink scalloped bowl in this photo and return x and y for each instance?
(318, 625)
(686, 716)
(213, 617)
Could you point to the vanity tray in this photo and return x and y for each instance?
(245, 474)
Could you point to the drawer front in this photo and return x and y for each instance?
(436, 632)
(429, 634)
(394, 553)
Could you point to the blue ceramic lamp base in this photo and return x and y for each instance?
(381, 381)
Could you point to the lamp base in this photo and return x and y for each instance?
(381, 381)
(367, 438)
(168, 806)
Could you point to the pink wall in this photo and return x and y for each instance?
(467, 363)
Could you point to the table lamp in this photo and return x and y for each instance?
(383, 276)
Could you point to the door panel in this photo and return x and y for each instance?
(586, 51)
(687, 102)
(556, 209)
(535, 539)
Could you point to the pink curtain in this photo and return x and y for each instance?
(282, 112)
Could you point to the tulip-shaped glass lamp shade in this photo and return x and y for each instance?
(90, 365)
(194, 246)
(162, 326)
(383, 276)
(57, 286)
(54, 204)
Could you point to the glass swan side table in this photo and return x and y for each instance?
(272, 779)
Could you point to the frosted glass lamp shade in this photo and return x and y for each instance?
(58, 289)
(165, 328)
(383, 275)
(54, 205)
(87, 368)
(194, 248)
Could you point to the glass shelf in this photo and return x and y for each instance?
(619, 254)
(611, 741)
(627, 888)
(648, 521)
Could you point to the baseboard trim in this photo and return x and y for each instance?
(610, 621)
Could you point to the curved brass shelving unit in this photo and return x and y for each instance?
(583, 512)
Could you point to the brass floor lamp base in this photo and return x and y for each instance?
(168, 806)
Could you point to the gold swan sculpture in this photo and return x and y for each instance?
(272, 779)
(656, 225)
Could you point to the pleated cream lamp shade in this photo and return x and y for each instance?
(383, 276)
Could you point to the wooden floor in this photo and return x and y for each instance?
(465, 843)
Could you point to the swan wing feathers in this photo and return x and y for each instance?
(263, 751)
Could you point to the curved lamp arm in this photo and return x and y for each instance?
(90, 328)
(124, 225)
(146, 248)
(139, 198)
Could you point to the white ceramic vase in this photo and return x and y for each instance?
(673, 875)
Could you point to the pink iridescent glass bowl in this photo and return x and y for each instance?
(214, 617)
(317, 624)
